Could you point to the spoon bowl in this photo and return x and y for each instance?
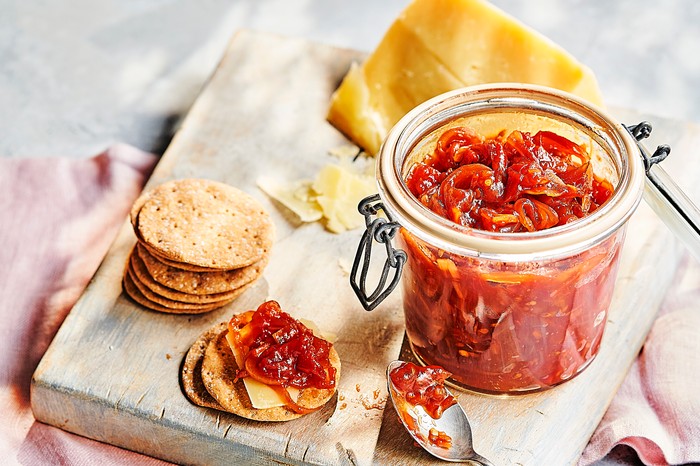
(453, 423)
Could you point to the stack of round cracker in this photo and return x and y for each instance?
(200, 245)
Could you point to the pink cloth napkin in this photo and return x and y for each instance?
(59, 217)
(657, 409)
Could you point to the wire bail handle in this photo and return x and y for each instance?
(383, 231)
(642, 131)
(665, 197)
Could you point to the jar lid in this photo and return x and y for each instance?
(510, 98)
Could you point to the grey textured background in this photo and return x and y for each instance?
(77, 75)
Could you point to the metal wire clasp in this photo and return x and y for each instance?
(661, 192)
(380, 230)
(642, 131)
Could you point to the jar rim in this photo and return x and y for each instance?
(566, 239)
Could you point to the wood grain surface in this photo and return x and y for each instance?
(111, 373)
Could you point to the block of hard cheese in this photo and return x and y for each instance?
(438, 45)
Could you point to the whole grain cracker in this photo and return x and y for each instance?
(136, 207)
(193, 282)
(205, 223)
(191, 373)
(219, 370)
(176, 264)
(144, 278)
(167, 302)
(135, 293)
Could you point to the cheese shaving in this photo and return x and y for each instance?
(331, 198)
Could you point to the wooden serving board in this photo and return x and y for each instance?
(111, 373)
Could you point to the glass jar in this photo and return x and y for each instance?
(509, 313)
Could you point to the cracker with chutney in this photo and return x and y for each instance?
(237, 365)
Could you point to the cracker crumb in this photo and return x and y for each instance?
(345, 266)
(368, 405)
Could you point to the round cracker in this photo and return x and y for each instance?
(167, 302)
(143, 277)
(134, 293)
(219, 370)
(136, 208)
(191, 373)
(176, 264)
(205, 223)
(193, 282)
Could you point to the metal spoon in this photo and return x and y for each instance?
(453, 422)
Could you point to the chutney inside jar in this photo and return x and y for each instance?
(505, 325)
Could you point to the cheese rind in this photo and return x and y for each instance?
(351, 110)
(438, 45)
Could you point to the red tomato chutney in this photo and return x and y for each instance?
(280, 351)
(422, 386)
(502, 327)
